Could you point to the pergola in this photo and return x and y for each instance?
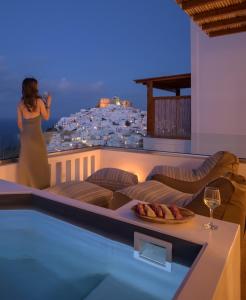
(217, 17)
(173, 84)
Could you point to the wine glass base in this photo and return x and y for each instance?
(210, 226)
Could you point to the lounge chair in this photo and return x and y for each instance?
(191, 180)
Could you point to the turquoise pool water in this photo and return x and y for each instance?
(42, 257)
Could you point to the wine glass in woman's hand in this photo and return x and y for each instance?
(47, 99)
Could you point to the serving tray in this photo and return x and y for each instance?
(186, 213)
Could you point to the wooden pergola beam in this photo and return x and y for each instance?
(151, 110)
(225, 22)
(227, 31)
(166, 78)
(220, 12)
(194, 3)
(171, 90)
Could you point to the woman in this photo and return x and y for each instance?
(33, 168)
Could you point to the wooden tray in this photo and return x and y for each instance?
(186, 213)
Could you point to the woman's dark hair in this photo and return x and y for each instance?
(30, 93)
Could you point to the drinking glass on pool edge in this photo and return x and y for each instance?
(211, 200)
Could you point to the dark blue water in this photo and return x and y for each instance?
(43, 258)
(9, 136)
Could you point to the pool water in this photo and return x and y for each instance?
(42, 257)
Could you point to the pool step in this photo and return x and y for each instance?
(113, 288)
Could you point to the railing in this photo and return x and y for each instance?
(172, 117)
(74, 165)
(64, 166)
(79, 164)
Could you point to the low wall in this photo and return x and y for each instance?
(141, 163)
(64, 166)
(79, 164)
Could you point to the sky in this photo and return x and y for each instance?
(82, 50)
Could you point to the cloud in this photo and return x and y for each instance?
(97, 85)
(65, 85)
(69, 95)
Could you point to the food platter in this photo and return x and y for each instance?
(187, 215)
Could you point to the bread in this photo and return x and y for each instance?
(149, 211)
(167, 212)
(176, 212)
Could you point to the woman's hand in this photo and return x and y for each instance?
(48, 101)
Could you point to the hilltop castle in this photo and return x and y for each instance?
(104, 102)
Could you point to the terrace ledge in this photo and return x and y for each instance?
(144, 151)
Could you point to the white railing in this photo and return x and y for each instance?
(73, 166)
(64, 166)
(79, 164)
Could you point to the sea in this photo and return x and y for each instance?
(9, 137)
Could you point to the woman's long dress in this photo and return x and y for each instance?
(33, 168)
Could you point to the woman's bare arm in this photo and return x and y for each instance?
(19, 117)
(44, 110)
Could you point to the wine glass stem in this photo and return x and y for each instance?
(211, 216)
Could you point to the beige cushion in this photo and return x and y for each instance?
(113, 179)
(150, 191)
(84, 192)
(192, 180)
(221, 162)
(233, 200)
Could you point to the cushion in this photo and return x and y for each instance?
(150, 191)
(192, 180)
(210, 162)
(226, 190)
(113, 179)
(172, 172)
(233, 200)
(84, 192)
(220, 163)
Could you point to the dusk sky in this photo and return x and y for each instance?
(83, 50)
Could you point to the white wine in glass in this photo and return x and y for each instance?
(211, 200)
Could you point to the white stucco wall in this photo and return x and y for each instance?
(218, 92)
